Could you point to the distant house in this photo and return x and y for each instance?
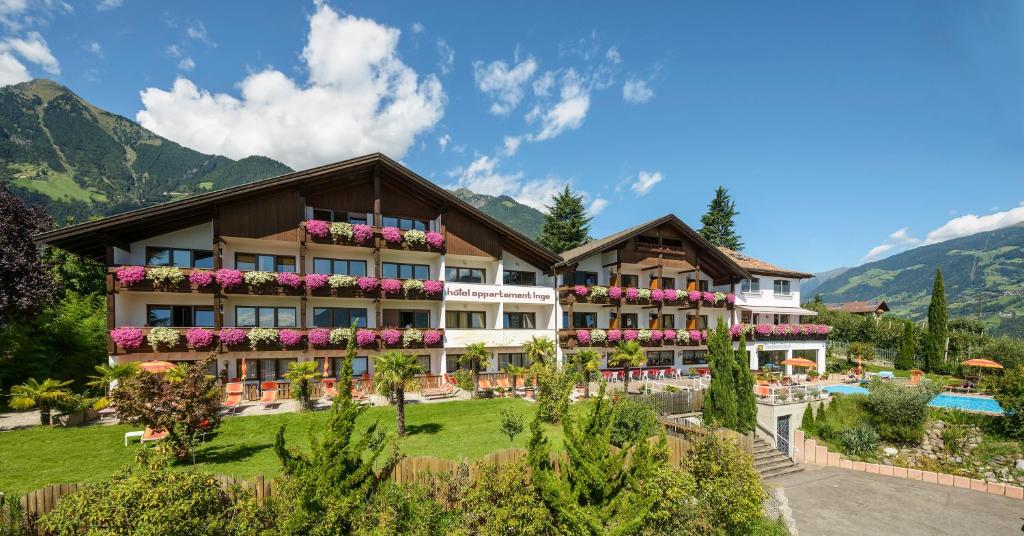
(864, 308)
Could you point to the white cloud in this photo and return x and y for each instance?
(646, 180)
(503, 84)
(878, 252)
(106, 5)
(613, 55)
(596, 206)
(636, 91)
(94, 48)
(359, 98)
(965, 225)
(511, 145)
(443, 141)
(542, 85)
(568, 113)
(186, 64)
(18, 15)
(447, 54)
(12, 71)
(417, 27)
(898, 240)
(33, 49)
(197, 31)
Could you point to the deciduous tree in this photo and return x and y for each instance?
(26, 284)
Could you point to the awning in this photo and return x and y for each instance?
(768, 309)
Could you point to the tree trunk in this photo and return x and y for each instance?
(586, 385)
(476, 380)
(400, 403)
(625, 379)
(44, 415)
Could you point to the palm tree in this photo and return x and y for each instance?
(45, 395)
(478, 358)
(589, 362)
(515, 372)
(302, 374)
(627, 354)
(539, 350)
(393, 372)
(107, 375)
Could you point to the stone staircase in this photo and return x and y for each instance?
(770, 462)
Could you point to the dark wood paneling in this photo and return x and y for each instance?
(398, 200)
(270, 216)
(389, 317)
(466, 236)
(349, 195)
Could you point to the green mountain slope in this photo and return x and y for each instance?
(523, 218)
(78, 160)
(983, 275)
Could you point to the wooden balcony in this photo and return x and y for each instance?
(147, 285)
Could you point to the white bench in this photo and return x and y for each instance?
(132, 435)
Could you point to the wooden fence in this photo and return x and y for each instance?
(678, 402)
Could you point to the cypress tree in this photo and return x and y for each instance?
(746, 403)
(807, 423)
(937, 317)
(717, 225)
(905, 361)
(566, 224)
(720, 401)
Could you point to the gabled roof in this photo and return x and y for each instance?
(613, 240)
(90, 238)
(858, 306)
(757, 266)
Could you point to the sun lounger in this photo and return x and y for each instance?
(445, 391)
(503, 384)
(330, 389)
(485, 385)
(233, 402)
(269, 397)
(152, 435)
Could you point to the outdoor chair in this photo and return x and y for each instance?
(269, 396)
(444, 391)
(520, 384)
(330, 389)
(485, 385)
(234, 392)
(152, 435)
(503, 383)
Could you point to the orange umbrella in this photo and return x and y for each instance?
(156, 367)
(327, 367)
(978, 362)
(799, 362)
(244, 369)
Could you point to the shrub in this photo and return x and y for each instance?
(954, 438)
(504, 501)
(464, 379)
(1009, 392)
(728, 488)
(859, 441)
(807, 422)
(554, 385)
(632, 421)
(898, 411)
(165, 276)
(406, 509)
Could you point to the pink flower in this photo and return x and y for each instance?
(361, 233)
(127, 338)
(735, 330)
(435, 240)
(657, 294)
(614, 335)
(730, 298)
(823, 329)
(669, 334)
(318, 228)
(629, 334)
(199, 337)
(391, 234)
(614, 292)
(432, 287)
(232, 336)
(390, 286)
(671, 295)
(289, 337)
(289, 279)
(228, 278)
(431, 337)
(581, 291)
(632, 293)
(656, 335)
(129, 275)
(367, 283)
(319, 337)
(390, 336)
(315, 281)
(763, 329)
(693, 296)
(365, 337)
(708, 297)
(583, 336)
(200, 278)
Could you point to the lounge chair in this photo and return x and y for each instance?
(503, 383)
(520, 384)
(233, 402)
(152, 435)
(330, 389)
(269, 397)
(485, 385)
(444, 391)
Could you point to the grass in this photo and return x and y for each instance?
(56, 186)
(243, 447)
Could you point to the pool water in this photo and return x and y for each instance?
(846, 390)
(967, 403)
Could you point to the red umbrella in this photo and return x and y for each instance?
(156, 367)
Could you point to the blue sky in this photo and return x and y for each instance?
(844, 131)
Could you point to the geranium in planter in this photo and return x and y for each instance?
(341, 231)
(707, 297)
(199, 338)
(228, 278)
(598, 335)
(260, 279)
(695, 336)
(643, 293)
(367, 284)
(657, 335)
(315, 281)
(763, 330)
(730, 298)
(340, 335)
(290, 337)
(289, 279)
(130, 275)
(670, 294)
(390, 286)
(823, 329)
(682, 336)
(391, 235)
(319, 337)
(632, 294)
(232, 336)
(629, 334)
(365, 337)
(415, 237)
(720, 297)
(200, 278)
(599, 292)
(261, 337)
(342, 281)
(657, 294)
(412, 286)
(127, 338)
(412, 336)
(583, 336)
(614, 293)
(644, 335)
(668, 334)
(163, 338)
(431, 337)
(362, 233)
(435, 240)
(165, 276)
(432, 287)
(318, 228)
(580, 291)
(614, 335)
(390, 336)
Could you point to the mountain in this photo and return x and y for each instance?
(983, 276)
(523, 218)
(80, 161)
(810, 286)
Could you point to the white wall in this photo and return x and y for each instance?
(767, 294)
(511, 262)
(197, 237)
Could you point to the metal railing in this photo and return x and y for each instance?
(789, 394)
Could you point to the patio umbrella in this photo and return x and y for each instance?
(799, 362)
(244, 370)
(156, 367)
(327, 367)
(981, 363)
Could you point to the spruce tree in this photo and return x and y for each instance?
(720, 400)
(746, 403)
(807, 422)
(905, 361)
(566, 224)
(717, 225)
(937, 316)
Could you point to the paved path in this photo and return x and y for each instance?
(836, 502)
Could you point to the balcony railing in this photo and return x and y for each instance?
(148, 340)
(361, 235)
(572, 338)
(789, 394)
(644, 296)
(781, 332)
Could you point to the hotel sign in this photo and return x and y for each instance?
(463, 292)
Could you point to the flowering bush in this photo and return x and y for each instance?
(730, 298)
(163, 338)
(127, 338)
(693, 296)
(614, 335)
(763, 329)
(823, 329)
(412, 336)
(365, 337)
(200, 278)
(319, 337)
(414, 237)
(599, 292)
(341, 281)
(719, 297)
(643, 293)
(598, 335)
(656, 335)
(228, 278)
(199, 338)
(670, 294)
(130, 275)
(580, 291)
(412, 286)
(669, 334)
(290, 337)
(782, 329)
(682, 336)
(697, 336)
(432, 287)
(258, 336)
(315, 281)
(367, 283)
(435, 240)
(657, 294)
(391, 234)
(707, 296)
(259, 279)
(288, 279)
(340, 335)
(431, 337)
(232, 336)
(341, 230)
(644, 335)
(632, 294)
(361, 233)
(318, 228)
(736, 330)
(629, 334)
(390, 286)
(390, 336)
(583, 336)
(614, 293)
(165, 276)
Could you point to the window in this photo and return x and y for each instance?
(414, 318)
(465, 319)
(338, 317)
(183, 316)
(694, 357)
(264, 263)
(752, 286)
(696, 321)
(668, 282)
(327, 214)
(265, 317)
(360, 366)
(580, 320)
(464, 275)
(424, 361)
(517, 277)
(339, 266)
(323, 214)
(630, 320)
(182, 258)
(513, 359)
(520, 321)
(452, 363)
(583, 278)
(264, 370)
(701, 285)
(398, 270)
(403, 223)
(782, 287)
(780, 319)
(357, 218)
(668, 321)
(627, 280)
(746, 317)
(662, 358)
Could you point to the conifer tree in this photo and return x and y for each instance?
(566, 223)
(718, 225)
(905, 361)
(720, 400)
(746, 403)
(807, 423)
(937, 317)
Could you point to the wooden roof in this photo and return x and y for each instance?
(859, 306)
(757, 266)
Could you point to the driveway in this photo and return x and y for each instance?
(836, 502)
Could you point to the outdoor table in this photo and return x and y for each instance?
(133, 435)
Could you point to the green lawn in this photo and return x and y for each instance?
(243, 447)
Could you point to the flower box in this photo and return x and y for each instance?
(339, 233)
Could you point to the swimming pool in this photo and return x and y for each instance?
(966, 403)
(846, 390)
